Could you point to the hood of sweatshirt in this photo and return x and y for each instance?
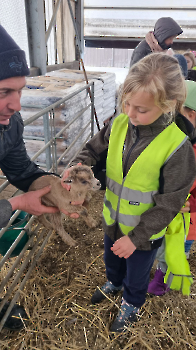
(164, 28)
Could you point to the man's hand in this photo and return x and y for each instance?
(185, 208)
(123, 247)
(31, 202)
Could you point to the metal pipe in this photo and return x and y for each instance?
(17, 294)
(52, 20)
(81, 60)
(92, 110)
(54, 105)
(75, 155)
(74, 141)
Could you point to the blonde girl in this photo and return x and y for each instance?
(146, 184)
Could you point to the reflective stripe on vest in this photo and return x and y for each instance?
(126, 199)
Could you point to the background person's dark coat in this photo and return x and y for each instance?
(164, 28)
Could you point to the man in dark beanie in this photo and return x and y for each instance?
(12, 58)
(160, 40)
(14, 161)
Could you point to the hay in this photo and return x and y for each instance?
(57, 300)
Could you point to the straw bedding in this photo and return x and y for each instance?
(57, 300)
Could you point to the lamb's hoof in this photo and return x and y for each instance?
(91, 223)
(71, 242)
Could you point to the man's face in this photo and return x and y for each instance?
(10, 94)
(169, 41)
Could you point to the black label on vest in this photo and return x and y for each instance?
(134, 203)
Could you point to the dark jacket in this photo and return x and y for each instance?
(15, 163)
(164, 28)
(175, 179)
(5, 212)
(14, 160)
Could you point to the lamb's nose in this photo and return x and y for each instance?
(98, 183)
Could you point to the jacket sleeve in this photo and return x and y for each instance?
(95, 150)
(5, 212)
(175, 183)
(18, 168)
(137, 56)
(142, 50)
(16, 164)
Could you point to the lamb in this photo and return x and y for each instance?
(76, 187)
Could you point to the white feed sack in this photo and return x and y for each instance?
(43, 91)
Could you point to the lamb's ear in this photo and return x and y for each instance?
(66, 186)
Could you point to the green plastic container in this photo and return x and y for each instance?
(12, 233)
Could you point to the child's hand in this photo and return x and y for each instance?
(185, 208)
(123, 247)
(65, 176)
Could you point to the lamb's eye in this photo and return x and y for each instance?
(68, 181)
(84, 182)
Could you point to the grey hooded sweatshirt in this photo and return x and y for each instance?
(164, 28)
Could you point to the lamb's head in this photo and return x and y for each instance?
(81, 178)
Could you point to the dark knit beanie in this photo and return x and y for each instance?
(183, 64)
(12, 59)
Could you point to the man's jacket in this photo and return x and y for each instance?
(14, 160)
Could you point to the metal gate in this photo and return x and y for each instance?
(14, 281)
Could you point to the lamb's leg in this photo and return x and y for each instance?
(87, 218)
(83, 212)
(43, 220)
(56, 220)
(87, 200)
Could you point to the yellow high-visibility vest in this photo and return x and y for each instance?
(178, 275)
(127, 198)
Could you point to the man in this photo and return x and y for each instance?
(14, 161)
(160, 40)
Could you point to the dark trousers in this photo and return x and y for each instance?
(133, 273)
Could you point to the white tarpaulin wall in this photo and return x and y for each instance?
(134, 19)
(13, 19)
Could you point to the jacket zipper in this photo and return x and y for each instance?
(126, 162)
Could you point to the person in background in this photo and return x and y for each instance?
(160, 40)
(145, 151)
(190, 58)
(157, 285)
(191, 62)
(190, 114)
(183, 64)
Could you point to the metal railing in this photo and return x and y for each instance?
(37, 235)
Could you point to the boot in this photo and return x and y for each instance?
(107, 288)
(14, 322)
(157, 285)
(126, 316)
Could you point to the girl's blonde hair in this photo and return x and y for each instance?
(159, 75)
(191, 56)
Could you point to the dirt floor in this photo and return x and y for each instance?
(57, 300)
